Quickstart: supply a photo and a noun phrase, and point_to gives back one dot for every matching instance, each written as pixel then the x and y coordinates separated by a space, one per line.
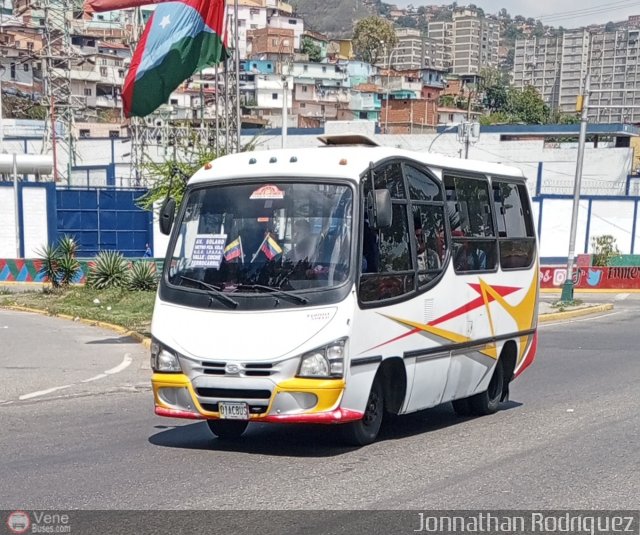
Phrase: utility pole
pixel 467 128
pixel 583 103
pixel 285 105
pixel 236 46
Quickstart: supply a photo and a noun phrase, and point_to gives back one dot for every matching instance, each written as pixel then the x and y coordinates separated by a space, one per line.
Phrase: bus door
pixel 475 263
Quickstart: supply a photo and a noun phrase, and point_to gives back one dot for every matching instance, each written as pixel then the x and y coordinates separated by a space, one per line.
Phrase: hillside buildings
pixel 557 67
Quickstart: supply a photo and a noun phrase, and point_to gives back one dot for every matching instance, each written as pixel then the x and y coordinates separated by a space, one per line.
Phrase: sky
pixel 568 13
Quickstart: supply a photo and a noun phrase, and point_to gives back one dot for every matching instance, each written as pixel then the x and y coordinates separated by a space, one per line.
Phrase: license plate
pixel 233 411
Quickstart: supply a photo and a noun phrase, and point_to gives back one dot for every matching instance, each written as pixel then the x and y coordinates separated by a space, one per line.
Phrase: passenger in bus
pixel 470 257
pixel 370 251
pixel 427 256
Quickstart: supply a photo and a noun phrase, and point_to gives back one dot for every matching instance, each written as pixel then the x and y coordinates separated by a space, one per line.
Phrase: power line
pixel 584 13
pixel 621 3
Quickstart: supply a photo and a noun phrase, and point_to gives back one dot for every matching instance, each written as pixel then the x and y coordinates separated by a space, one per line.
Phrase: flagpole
pixel 237 54
pixel 260 247
pixel 226 99
pixel 241 250
pixel 217 113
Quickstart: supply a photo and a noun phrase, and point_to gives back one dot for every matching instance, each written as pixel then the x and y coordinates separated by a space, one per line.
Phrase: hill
pixel 334 18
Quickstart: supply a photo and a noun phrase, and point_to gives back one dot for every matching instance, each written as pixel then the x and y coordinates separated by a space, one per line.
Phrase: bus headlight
pixel 324 362
pixel 164 359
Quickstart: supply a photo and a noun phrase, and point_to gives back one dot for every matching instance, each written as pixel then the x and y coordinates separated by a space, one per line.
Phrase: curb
pixel 556 316
pixel 140 338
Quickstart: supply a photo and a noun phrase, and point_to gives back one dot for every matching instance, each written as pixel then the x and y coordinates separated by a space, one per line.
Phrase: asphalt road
pixel 567 439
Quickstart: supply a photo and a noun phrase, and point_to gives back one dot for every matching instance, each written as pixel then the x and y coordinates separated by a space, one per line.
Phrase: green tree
pixel 557 117
pixel 407 22
pixel 169 177
pixel 610 27
pixel 312 50
pixel 526 105
pixel 539 30
pixel 494 87
pixel 372 36
pixel 498 117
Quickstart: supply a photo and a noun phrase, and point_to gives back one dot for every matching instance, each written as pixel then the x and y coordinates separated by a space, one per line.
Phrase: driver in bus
pixel 303 242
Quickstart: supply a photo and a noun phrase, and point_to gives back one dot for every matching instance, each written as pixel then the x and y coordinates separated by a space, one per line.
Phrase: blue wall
pixel 104 219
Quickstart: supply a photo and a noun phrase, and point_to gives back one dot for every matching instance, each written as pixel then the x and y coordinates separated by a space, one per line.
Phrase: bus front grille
pixel 233 393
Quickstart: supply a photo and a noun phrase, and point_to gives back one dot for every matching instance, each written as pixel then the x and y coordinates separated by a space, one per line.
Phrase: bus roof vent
pixel 334 140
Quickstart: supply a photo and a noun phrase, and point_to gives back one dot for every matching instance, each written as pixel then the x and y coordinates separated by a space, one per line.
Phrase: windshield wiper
pixel 214 291
pixel 274 291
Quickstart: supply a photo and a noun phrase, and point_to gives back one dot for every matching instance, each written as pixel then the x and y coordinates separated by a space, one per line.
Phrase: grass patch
pixel 122 307
pixel 561 306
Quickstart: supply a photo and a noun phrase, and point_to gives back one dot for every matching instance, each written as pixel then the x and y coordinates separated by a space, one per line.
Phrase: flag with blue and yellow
pixel 270 247
pixel 234 250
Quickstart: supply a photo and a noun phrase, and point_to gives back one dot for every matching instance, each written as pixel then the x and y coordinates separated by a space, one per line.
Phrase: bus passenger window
pixel 431 242
pixel 474 245
pixel 387 266
pixel 515 225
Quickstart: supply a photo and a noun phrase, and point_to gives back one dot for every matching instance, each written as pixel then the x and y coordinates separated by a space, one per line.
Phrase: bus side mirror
pixel 380 209
pixel 167 213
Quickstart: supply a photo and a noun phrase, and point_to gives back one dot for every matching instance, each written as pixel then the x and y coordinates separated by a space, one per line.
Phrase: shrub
pixel 59 263
pixel 49 269
pixel 109 271
pixel 605 249
pixel 67 246
pixel 68 268
pixel 143 277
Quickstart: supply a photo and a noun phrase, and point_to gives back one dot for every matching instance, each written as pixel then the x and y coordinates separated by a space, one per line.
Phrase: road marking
pixel 43 392
pixel 96 378
pixel 621 297
pixel 577 321
pixel 126 362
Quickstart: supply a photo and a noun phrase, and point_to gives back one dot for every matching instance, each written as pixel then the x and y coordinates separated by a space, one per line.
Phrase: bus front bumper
pixel 292 401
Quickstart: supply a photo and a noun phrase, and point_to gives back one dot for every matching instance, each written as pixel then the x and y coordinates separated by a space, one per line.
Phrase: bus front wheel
pixel 227 429
pixel 365 431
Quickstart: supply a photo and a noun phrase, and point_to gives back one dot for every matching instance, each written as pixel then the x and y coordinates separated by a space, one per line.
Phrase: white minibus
pixel 337 284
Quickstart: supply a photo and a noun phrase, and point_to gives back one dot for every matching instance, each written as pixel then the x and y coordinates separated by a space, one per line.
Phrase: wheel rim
pixel 373 408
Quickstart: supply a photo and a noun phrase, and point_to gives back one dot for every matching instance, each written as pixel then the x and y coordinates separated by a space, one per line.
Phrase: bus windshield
pixel 264 236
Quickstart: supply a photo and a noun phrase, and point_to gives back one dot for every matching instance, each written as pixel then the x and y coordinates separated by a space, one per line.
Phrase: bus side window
pixel 386 260
pixel 428 215
pixel 515 225
pixel 474 244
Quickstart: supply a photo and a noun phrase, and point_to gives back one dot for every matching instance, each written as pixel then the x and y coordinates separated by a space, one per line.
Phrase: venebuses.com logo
pixel 38 522
pixel 18 522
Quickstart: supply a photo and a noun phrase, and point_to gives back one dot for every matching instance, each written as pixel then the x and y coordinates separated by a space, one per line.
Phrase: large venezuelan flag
pixel 179 39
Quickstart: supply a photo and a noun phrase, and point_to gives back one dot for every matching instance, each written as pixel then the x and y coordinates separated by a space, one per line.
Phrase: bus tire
pixel 365 431
pixel 487 402
pixel 227 429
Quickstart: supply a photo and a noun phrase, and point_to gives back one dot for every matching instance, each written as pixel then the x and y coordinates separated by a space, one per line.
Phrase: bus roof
pixel 332 162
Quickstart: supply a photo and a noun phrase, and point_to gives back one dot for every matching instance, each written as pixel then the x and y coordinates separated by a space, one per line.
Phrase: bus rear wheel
pixel 486 402
pixel 227 429
pixel 365 431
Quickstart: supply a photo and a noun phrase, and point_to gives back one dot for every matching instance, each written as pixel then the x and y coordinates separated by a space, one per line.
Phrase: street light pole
pixel 2 71
pixel 386 114
pixel 567 289
pixel 16 203
pixel 285 104
pixel 285 88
